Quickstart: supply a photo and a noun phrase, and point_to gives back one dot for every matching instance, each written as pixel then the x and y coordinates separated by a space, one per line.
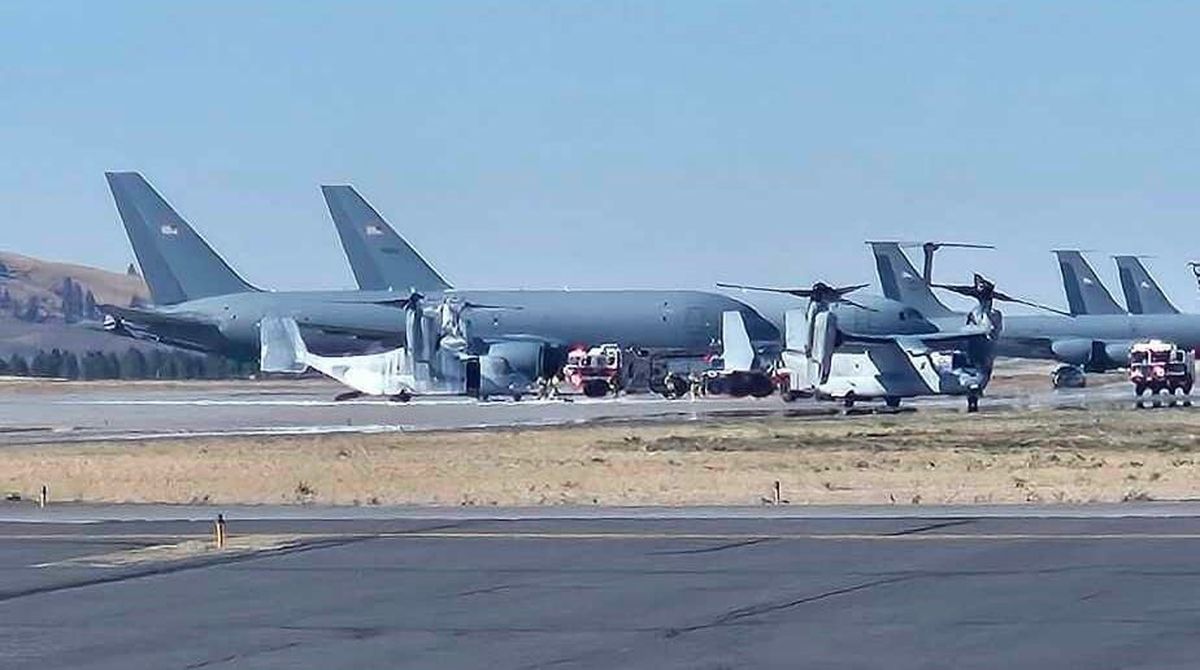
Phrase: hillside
pixel 23 278
pixel 50 325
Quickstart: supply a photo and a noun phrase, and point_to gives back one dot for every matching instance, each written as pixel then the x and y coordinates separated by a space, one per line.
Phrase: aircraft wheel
pixel 403 396
pixel 892 401
pixel 1068 376
pixel 972 403
pixel 848 401
pixel 789 395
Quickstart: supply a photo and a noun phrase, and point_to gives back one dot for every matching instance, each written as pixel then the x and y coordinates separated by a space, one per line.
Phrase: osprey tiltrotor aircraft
pixel 828 360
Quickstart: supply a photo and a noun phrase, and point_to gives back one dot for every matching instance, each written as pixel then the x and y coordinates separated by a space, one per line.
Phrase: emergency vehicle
pixel 1157 366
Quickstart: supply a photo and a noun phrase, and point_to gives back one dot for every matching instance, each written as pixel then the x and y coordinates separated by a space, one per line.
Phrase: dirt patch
pixel 1048 456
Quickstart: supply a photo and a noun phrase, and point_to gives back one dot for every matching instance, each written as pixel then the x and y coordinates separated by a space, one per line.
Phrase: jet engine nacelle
pixel 1092 355
pixel 510 368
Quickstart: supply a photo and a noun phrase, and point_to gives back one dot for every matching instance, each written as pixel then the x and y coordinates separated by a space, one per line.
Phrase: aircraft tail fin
pixel 1086 294
pixel 900 281
pixel 1143 295
pixel 282 347
pixel 177 263
pixel 736 350
pixel 380 258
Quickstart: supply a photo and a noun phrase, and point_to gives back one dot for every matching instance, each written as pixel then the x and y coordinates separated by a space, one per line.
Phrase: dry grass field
pixel 927 458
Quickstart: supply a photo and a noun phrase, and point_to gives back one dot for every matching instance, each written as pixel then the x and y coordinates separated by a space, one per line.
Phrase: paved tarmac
pixel 55 413
pixel 997 588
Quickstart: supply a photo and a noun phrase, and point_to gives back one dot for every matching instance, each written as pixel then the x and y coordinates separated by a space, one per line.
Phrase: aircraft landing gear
pixel 892 401
pixel 972 403
pixel 403 396
pixel 1068 377
pixel 848 401
pixel 348 395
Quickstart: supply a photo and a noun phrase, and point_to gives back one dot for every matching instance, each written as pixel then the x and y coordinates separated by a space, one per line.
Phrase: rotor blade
pixel 968 291
pixel 843 290
pixel 476 305
pixel 964 245
pixel 940 245
pixel 861 306
pixel 1008 298
pixel 800 292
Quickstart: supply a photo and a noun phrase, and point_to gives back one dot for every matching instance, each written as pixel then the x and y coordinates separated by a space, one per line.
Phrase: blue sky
pixel 607 144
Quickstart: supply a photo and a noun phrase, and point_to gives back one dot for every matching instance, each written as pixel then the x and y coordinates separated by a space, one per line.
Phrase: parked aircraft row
pixel 436 338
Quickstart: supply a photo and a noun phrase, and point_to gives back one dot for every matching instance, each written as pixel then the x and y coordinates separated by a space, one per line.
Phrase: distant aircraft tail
pixel 1142 294
pixel 380 258
pixel 177 263
pixel 1086 294
pixel 901 281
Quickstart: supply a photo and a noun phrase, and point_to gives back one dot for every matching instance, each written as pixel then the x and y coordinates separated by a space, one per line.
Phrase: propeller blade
pixel 961 289
pixel 1029 303
pixel 859 305
pixel 843 290
pixel 477 305
pixel 799 292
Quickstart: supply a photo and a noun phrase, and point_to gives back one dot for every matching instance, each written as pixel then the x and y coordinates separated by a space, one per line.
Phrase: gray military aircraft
pixel 1143 295
pixel 202 304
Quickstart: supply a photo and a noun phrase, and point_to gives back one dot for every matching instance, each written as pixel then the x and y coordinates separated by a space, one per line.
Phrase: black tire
pixel 848 401
pixel 761 386
pixel 595 388
pixel 972 403
pixel 892 401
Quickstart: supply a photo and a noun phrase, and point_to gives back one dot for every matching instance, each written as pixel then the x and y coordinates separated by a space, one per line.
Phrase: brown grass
pixel 945 458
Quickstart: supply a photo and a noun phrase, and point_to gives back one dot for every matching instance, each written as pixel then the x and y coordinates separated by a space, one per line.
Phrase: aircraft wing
pixel 941 341
pixel 360 332
pixel 190 331
pixel 151 317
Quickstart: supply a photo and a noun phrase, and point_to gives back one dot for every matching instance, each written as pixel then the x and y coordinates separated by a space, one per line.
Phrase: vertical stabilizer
pixel 1086 294
pixel 900 281
pixel 381 259
pixel 1143 295
pixel 736 350
pixel 177 263
pixel 282 347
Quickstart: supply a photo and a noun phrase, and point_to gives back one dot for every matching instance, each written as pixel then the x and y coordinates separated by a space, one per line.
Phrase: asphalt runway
pixel 1006 587
pixel 66 412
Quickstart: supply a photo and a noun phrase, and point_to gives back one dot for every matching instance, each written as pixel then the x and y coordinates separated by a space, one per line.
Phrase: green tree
pixel 18 366
pixel 133 364
pixel 69 369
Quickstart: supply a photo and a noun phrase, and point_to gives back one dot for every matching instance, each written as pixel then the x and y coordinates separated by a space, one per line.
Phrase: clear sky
pixel 608 144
